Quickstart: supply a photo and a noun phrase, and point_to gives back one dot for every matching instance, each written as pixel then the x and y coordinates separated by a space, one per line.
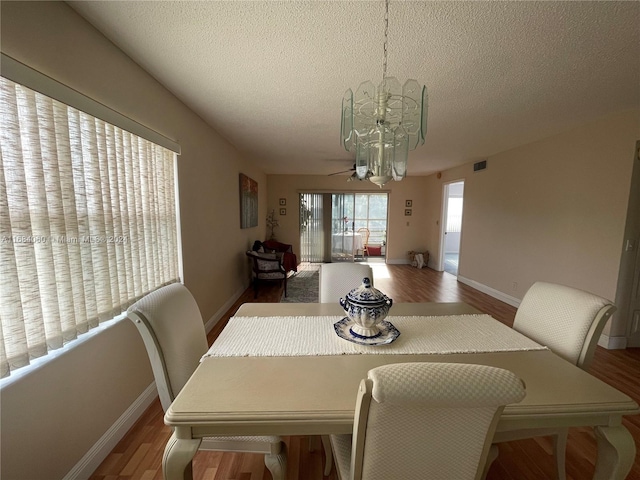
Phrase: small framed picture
pixel 283 202
pixel 408 204
pixel 283 211
pixel 407 212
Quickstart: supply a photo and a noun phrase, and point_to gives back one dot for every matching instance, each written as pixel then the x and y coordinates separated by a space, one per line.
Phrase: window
pixel 88 222
pixel 351 212
pixel 371 213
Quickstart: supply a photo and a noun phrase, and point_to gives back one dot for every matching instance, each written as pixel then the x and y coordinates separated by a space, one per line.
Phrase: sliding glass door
pixel 371 213
pixel 336 227
pixel 342 225
pixel 358 220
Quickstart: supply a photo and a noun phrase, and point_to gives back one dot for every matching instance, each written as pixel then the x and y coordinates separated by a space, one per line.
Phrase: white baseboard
pixel 103 447
pixel 398 261
pixel 223 309
pixel 99 451
pixel 503 297
pixel 633 342
pixel 612 343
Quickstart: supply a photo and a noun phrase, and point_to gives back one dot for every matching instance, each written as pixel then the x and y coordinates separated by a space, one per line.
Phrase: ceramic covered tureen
pixel 366 307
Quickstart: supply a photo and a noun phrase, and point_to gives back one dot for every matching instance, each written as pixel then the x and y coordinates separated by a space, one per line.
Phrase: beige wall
pixel 552 210
pixel 404 233
pixel 41 414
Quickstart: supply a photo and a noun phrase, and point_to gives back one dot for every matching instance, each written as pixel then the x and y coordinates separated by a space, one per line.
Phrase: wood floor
pixel 139 453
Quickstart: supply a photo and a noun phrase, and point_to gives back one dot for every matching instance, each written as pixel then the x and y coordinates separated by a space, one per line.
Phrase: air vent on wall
pixel 479 165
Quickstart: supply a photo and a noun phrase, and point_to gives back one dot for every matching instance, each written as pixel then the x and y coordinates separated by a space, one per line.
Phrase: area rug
pixel 303 286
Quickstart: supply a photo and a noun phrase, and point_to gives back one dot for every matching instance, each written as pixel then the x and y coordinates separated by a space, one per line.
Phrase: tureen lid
pixel 365 294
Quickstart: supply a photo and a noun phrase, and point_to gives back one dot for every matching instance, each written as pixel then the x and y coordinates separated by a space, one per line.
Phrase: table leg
pixel 176 462
pixel 616 453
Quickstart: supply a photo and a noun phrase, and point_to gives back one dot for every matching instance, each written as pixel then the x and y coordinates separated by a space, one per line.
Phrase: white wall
pixel 53 416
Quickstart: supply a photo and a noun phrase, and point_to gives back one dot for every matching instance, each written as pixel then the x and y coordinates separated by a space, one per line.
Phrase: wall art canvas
pixel 248 202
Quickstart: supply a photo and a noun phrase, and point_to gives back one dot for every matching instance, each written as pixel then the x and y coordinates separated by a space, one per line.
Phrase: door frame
pixel 443 220
pixel 628 287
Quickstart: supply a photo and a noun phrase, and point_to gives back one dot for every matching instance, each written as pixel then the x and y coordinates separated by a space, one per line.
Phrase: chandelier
pixel 382 124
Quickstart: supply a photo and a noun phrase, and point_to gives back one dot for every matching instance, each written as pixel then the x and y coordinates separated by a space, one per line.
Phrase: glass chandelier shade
pixel 381 125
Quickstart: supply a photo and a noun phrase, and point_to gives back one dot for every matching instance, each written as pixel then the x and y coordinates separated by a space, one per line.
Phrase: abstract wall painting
pixel 248 202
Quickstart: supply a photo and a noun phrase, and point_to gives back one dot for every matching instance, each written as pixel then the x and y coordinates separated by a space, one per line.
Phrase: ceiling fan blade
pixel 338 173
pixel 352 169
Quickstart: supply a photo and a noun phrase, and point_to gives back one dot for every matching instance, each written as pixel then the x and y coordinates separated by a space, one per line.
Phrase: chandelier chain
pixel 386 35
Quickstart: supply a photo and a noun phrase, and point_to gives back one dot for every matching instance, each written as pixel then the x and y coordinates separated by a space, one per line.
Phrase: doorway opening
pixel 453 200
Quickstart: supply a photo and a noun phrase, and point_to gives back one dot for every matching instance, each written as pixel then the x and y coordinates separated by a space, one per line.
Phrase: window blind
pixel 311 228
pixel 87 222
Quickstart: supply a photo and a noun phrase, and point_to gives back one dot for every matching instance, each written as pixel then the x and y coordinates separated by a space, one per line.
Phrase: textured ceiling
pixel 269 76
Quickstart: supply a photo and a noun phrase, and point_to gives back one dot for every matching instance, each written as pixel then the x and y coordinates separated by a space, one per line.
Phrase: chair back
pixel 365 234
pixel 338 279
pixel 429 420
pixel 267 265
pixel 171 327
pixel 567 320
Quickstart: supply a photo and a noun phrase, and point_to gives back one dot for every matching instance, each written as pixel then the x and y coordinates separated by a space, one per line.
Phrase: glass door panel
pixel 342 224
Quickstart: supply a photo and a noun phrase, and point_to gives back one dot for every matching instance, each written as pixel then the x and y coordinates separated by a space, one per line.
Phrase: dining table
pixel 346 243
pixel 281 369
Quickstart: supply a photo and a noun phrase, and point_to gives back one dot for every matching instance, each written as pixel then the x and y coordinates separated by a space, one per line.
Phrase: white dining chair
pixel 425 420
pixel 338 279
pixel 569 322
pixel 335 281
pixel 171 327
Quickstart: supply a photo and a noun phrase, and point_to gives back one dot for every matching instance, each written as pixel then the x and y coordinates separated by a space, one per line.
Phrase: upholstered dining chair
pixel 338 279
pixel 364 232
pixel 425 420
pixel 172 330
pixel 569 322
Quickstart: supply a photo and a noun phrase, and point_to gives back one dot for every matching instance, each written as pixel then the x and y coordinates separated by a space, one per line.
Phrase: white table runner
pixel 300 336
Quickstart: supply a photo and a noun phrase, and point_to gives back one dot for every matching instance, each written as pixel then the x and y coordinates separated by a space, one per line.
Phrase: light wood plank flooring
pixel 139 453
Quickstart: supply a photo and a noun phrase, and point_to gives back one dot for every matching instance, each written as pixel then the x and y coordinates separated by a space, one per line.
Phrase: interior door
pixel 634 306
pixel 628 290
